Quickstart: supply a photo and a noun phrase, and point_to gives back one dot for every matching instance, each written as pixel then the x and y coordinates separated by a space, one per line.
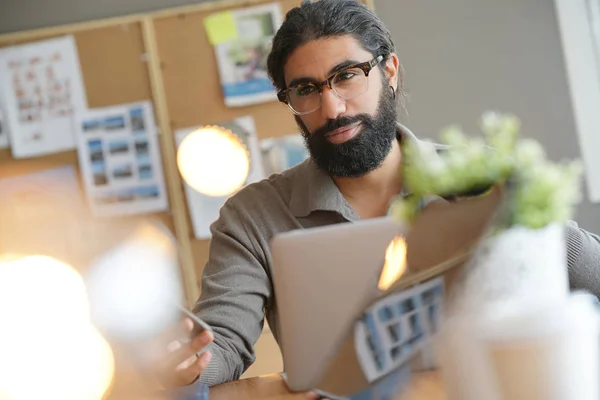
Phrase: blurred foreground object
pixel 544 192
pixel 549 353
pixel 516 275
pixel 134 288
pixel 213 161
pixel 49 348
pixel 136 293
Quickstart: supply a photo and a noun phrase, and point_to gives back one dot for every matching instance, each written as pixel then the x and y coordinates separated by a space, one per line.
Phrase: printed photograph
pixel 386 313
pixel 99 173
pixel 145 172
pixel 137 119
pixel 141 147
pixel 242 62
pixel 91 125
pixel 123 171
pixel 114 123
pixel 95 148
pixel 249 55
pixel 143 159
pixel 118 147
pixel 249 59
pixel 146 192
pixel 415 326
pixel 395 332
pixel 407 305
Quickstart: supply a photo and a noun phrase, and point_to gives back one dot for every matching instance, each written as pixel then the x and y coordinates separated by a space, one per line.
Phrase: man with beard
pixel 335 67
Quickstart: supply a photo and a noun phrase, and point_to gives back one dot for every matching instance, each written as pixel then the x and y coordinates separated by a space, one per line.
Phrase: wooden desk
pixel 423 386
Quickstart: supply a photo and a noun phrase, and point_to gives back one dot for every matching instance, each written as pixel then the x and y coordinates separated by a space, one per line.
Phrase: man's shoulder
pixel 268 194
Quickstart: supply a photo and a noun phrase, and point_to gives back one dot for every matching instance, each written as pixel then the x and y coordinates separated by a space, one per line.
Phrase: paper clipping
pixel 204 210
pixel 120 160
pixel 242 40
pixel 42 89
pixel 281 153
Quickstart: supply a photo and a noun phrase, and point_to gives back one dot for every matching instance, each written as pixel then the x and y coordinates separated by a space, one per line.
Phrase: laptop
pixel 325 277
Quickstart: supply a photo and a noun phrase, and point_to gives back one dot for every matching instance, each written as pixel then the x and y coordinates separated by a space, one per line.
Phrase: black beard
pixel 361 154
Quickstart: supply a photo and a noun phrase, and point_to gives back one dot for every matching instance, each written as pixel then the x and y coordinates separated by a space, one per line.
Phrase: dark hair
pixel 323 19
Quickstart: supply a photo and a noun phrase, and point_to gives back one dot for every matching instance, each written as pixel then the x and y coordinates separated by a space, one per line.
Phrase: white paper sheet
pixel 43 88
pixel 242 61
pixel 204 210
pixel 120 160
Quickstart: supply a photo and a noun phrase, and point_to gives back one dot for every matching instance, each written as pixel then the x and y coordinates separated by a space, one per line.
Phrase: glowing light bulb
pixel 213 161
pixel 395 263
pixel 46 327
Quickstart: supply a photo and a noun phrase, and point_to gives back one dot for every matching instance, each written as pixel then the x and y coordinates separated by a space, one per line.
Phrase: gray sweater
pixel 237 290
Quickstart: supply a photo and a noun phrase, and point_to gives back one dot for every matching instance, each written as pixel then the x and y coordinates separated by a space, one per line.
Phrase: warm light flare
pixel 395 263
pixel 46 327
pixel 213 161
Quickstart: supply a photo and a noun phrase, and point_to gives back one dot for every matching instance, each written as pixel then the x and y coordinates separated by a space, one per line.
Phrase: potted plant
pixel 520 265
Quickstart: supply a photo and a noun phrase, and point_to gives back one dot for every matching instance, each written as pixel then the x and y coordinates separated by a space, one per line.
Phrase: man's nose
pixel 331 105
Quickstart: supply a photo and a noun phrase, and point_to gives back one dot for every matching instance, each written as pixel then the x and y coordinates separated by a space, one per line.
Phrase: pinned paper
pixel 120 160
pixel 221 27
pixel 243 39
pixel 42 88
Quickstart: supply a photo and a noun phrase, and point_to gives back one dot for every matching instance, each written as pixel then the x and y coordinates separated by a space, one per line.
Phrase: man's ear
pixel 392 71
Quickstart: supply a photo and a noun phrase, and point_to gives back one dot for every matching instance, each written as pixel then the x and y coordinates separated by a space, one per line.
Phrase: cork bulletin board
pixel 164 57
pixel 114 72
pixel 106 55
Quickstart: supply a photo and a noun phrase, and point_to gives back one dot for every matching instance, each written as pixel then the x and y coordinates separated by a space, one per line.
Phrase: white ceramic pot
pixel 512 273
pixel 514 270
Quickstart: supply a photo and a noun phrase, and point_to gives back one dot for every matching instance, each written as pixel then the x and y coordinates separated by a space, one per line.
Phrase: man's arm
pixel 235 291
pixel 583 256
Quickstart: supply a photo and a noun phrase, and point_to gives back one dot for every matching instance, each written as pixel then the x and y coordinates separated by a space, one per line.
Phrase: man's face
pixel 346 138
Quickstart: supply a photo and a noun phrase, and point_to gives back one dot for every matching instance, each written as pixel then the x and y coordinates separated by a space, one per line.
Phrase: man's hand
pixel 315 396
pixel 182 366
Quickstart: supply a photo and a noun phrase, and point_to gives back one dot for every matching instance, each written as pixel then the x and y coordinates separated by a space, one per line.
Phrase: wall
pixel 463 57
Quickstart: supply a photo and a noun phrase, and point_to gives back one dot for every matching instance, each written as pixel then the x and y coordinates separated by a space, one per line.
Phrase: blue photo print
pixel 397 327
pixel 136 118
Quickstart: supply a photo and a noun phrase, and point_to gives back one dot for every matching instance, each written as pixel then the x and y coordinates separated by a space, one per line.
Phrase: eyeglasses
pixel 346 84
